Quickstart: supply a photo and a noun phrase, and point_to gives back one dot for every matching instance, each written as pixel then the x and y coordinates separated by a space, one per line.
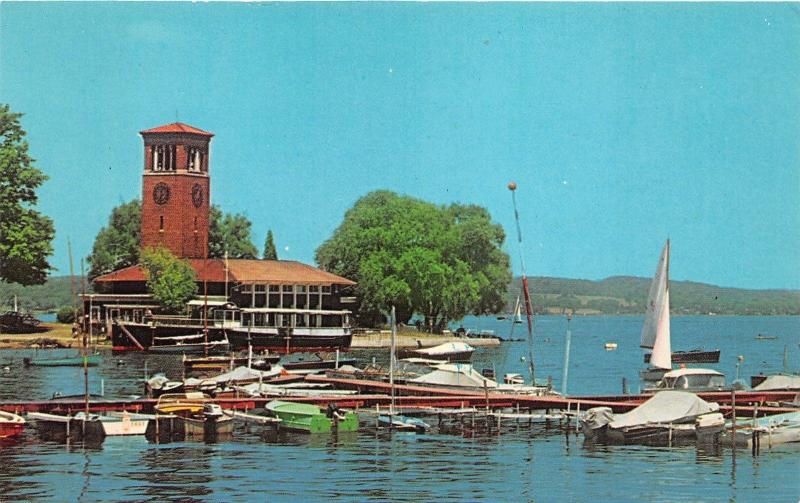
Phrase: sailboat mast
pixel 205 306
pixel 72 283
pixel 86 352
pixel 525 291
pixel 392 351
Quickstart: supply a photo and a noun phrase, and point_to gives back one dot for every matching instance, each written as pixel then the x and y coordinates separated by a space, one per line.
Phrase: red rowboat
pixel 10 424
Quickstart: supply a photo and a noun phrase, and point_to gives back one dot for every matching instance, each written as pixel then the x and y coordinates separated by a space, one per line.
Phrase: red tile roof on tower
pixel 243 271
pixel 176 127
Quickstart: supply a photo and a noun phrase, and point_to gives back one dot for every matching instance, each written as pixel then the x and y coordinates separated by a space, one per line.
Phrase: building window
pixel 313 288
pixel 261 288
pixel 274 288
pixel 161 223
pixel 288 288
pixel 326 289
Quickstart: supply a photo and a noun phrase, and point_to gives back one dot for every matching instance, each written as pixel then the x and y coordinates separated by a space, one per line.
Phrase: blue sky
pixel 623 124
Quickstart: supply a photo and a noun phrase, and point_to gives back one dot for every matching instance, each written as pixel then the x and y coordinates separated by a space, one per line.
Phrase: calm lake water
pixel 533 463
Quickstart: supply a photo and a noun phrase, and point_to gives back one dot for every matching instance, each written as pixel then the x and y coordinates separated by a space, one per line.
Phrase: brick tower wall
pixel 175 222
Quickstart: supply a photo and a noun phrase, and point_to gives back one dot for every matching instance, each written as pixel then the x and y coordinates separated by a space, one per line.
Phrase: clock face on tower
pixel 161 193
pixel 197 195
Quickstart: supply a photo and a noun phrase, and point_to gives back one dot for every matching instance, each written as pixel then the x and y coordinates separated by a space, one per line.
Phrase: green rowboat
pixel 70 361
pixel 309 418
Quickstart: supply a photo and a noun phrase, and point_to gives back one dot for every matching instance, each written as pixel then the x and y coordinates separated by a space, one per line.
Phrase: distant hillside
pixel 627 295
pixel 615 295
pixel 53 294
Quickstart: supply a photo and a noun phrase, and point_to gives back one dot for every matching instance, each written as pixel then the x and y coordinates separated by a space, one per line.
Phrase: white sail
pixel 518 310
pixel 655 333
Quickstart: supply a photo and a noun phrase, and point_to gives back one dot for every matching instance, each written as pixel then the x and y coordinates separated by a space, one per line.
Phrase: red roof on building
pixel 243 271
pixel 176 127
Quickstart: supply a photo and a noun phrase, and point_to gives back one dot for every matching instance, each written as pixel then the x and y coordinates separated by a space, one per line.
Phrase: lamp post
pixel 739 360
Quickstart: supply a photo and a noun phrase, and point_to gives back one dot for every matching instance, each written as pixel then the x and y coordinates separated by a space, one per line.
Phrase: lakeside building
pixel 273 304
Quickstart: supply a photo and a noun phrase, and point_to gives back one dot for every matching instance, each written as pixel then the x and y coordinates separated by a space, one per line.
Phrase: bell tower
pixel 175 189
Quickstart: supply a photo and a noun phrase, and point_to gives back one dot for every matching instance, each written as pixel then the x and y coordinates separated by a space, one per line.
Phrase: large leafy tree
pixel 439 262
pixel 170 280
pixel 230 233
pixel 118 244
pixel 270 252
pixel 25 234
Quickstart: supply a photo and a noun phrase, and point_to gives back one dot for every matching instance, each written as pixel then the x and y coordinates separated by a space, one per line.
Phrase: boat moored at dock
pixel 309 418
pixel 669 418
pixel 11 424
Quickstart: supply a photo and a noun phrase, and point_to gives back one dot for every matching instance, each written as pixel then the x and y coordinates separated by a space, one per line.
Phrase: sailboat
pixel 656 336
pixel 392 420
pixel 518 311
pixel 655 332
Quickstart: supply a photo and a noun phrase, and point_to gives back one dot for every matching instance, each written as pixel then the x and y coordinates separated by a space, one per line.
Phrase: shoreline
pixel 60 333
pixel 382 339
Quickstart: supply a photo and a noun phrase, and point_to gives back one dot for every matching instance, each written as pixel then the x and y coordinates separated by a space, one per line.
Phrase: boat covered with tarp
pixel 668 418
pixel 448 351
pixel 779 382
pixel 454 375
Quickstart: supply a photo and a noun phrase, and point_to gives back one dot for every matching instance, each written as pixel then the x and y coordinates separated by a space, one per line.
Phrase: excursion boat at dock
pixel 291 330
pixel 281 330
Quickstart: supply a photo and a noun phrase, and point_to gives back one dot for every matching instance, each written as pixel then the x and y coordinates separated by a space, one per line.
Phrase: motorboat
pixel 92 360
pixel 463 376
pixel 309 418
pixel 403 423
pixel 211 363
pixel 779 382
pixel 692 379
pixel 11 424
pixel 669 418
pixel 65 426
pixel 764 431
pixel 124 423
pixel 448 351
pixel 197 416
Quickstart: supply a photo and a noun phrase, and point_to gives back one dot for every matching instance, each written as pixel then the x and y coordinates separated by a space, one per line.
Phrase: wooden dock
pixel 377 393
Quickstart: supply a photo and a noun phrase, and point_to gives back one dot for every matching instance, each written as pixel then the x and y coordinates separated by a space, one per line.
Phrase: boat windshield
pixel 694 381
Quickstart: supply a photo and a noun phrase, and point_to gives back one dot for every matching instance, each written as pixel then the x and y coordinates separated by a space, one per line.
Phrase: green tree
pixel 230 233
pixel 440 262
pixel 170 280
pixel 270 253
pixel 117 245
pixel 25 235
